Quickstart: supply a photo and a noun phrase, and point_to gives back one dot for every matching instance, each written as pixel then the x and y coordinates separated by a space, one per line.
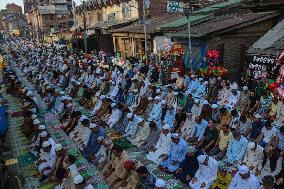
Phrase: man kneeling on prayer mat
pixel 80 183
pixel 131 182
pixel 176 155
pixel 46 161
pixel 60 155
pixel 116 171
pixel 244 179
pixel 206 173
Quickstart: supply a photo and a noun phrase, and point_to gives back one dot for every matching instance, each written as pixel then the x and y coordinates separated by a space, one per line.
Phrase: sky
pixel 20 2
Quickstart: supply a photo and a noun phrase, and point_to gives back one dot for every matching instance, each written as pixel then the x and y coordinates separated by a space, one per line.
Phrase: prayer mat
pixel 123 143
pixel 49 185
pixel 26 159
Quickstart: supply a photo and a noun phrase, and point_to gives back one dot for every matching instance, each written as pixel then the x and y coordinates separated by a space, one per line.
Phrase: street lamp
pixel 187 11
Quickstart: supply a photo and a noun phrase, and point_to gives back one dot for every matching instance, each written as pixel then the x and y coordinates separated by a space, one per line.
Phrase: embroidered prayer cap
pixel 214 106
pixel 78 179
pixel 160 183
pixel 58 147
pixel 243 169
pixel 63 98
pixel 33 110
pixel 45 144
pixel 100 138
pixel 245 88
pixel 135 90
pixel 89 187
pixel 43 134
pixel 69 98
pixel 201 158
pixel 251 145
pixel 205 102
pixel 191 149
pixel 140 120
pixel 166 127
pixel 69 105
pixel 41 127
pixel 157 98
pixel 129 115
pixel 82 118
pixel 150 98
pixel 175 93
pixel 34 116
pixel 92 125
pixel 158 90
pixel 36 122
pixel 258 116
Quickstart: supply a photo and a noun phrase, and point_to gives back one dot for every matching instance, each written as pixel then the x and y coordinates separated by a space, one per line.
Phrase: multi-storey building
pixel 46 16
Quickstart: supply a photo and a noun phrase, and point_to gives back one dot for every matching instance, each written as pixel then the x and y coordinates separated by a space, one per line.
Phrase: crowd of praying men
pixel 207 132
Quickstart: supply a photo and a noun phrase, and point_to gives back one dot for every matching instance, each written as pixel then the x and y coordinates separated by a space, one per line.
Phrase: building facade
pixel 45 17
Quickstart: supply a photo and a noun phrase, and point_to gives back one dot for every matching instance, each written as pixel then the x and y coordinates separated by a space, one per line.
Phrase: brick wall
pixel 157 7
pixel 233 44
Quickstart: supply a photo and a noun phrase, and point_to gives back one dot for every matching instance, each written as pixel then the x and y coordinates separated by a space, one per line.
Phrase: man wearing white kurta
pixel 142 133
pixel 206 173
pixel 47 159
pixel 244 180
pixel 162 147
pixel 132 126
pixel 253 157
pixel 115 115
pixel 156 112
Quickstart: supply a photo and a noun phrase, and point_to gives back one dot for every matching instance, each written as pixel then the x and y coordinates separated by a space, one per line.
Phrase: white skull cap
pixel 58 147
pixel 41 127
pixel 36 122
pixel 160 183
pixel 43 134
pixel 45 144
pixel 78 179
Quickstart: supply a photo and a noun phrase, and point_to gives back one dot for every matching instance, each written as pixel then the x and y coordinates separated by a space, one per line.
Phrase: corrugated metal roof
pixel 183 21
pixel 271 43
pixel 220 24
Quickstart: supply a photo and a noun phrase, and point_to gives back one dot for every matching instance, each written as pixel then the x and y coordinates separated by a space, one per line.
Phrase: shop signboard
pixel 175 6
pixel 260 64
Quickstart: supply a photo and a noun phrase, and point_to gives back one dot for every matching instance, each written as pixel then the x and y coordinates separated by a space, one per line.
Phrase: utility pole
pixel 75 24
pixel 145 30
pixel 187 11
pixel 85 28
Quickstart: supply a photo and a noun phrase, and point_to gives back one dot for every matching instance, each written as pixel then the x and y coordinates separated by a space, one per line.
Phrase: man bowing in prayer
pixel 206 173
pixel 176 155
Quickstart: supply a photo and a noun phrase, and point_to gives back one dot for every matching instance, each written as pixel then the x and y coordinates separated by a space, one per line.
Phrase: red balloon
pixel 273 86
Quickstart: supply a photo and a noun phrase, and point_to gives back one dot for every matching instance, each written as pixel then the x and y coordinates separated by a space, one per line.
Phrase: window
pixel 126 10
pixel 111 16
pixel 100 16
